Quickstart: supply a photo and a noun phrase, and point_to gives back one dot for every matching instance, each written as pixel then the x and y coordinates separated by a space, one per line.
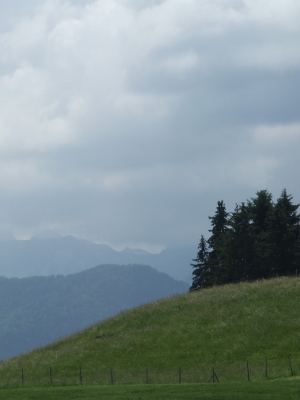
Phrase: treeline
pixel 259 239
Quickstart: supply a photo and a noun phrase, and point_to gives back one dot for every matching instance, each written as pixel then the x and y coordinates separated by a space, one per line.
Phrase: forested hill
pixel 67 255
pixel 38 310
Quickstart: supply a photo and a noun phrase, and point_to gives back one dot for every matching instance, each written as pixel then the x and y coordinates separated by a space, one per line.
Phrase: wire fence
pixel 252 370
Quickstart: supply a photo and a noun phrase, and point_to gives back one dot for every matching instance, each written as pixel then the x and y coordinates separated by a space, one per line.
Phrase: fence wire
pixel 60 375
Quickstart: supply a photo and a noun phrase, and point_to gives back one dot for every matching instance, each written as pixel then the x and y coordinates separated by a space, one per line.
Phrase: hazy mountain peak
pixel 135 251
pixel 47 234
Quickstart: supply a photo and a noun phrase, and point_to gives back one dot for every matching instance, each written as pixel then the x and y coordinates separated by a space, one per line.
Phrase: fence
pixel 221 372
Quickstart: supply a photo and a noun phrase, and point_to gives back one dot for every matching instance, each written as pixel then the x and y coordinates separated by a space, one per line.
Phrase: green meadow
pixel 264 390
pixel 152 348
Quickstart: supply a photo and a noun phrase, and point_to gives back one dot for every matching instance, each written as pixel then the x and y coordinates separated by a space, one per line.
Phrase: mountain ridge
pixel 66 255
pixel 37 310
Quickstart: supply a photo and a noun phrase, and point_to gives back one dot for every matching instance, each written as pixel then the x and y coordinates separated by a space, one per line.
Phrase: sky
pixel 125 121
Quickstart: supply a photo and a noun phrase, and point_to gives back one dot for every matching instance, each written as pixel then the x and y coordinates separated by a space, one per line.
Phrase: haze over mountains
pixel 49 254
pixel 50 287
pixel 39 310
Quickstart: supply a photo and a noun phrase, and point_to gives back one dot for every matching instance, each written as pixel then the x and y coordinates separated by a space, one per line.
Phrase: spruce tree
pixel 260 209
pixel 259 239
pixel 201 273
pixel 240 246
pixel 284 227
pixel 218 244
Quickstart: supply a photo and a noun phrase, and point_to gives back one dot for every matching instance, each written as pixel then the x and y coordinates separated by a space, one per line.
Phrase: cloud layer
pixel 124 121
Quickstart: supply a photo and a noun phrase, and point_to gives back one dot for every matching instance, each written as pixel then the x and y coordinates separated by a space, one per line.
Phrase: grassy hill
pixel 38 310
pixel 222 326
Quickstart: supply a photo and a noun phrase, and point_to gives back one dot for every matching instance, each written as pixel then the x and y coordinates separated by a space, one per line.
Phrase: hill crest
pixel 225 326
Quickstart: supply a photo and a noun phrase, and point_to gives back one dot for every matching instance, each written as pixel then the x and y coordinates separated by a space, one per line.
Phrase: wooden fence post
pixel 291 366
pixel 248 372
pixel 179 375
pixel 147 376
pixel 111 376
pixel 22 377
pixel 214 376
pixel 266 367
pixel 50 371
pixel 80 376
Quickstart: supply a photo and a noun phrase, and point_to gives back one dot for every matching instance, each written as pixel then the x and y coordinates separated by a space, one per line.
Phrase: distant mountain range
pixel 49 254
pixel 38 310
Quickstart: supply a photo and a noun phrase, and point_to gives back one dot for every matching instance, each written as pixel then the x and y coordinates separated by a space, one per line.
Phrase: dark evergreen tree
pixel 259 239
pixel 240 247
pixel 284 231
pixel 201 274
pixel 218 244
pixel 260 209
pixel 219 224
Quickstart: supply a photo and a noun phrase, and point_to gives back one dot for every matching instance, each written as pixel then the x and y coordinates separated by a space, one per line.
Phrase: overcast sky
pixel 125 121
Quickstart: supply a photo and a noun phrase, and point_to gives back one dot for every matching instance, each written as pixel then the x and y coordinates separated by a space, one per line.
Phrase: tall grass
pixel 223 327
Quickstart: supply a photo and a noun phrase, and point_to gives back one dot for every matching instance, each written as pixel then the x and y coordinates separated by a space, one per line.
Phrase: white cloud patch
pixel 28 120
pixel 140 114
pixel 278 135
pixel 182 63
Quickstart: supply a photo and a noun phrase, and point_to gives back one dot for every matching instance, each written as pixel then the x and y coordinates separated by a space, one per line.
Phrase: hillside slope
pixel 222 325
pixel 38 310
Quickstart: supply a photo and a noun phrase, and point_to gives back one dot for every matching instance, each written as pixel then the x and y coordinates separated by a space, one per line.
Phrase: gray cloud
pixel 125 121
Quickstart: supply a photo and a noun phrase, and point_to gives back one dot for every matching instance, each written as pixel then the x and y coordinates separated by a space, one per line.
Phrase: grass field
pixel 278 389
pixel 224 327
